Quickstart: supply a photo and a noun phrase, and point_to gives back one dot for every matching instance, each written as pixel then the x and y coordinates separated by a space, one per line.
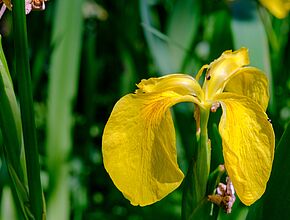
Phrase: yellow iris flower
pixel 279 8
pixel 139 149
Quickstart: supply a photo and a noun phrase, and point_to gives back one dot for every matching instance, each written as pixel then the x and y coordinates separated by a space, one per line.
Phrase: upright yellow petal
pixel 278 8
pixel 139 150
pixel 250 82
pixel 248 145
pixel 221 69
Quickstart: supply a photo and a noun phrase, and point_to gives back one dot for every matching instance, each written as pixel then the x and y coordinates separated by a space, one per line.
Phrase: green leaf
pixel 8 209
pixel 216 142
pixel 170 50
pixel 192 208
pixel 196 179
pixel 217 31
pixel 128 76
pixel 277 196
pixel 157 45
pixel 194 205
pixel 10 123
pixel 182 30
pixel 202 211
pixel 22 67
pixel 10 120
pixel 62 90
pixel 248 31
pixel 21 192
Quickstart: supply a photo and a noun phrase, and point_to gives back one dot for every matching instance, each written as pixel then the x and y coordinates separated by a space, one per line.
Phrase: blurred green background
pixel 86 54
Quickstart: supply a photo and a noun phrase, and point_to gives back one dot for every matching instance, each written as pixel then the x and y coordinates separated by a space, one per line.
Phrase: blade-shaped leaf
pixel 193 203
pixel 192 208
pixel 277 199
pixel 170 50
pixel 182 30
pixel 10 120
pixel 8 209
pixel 158 47
pixel 10 124
pixel 63 81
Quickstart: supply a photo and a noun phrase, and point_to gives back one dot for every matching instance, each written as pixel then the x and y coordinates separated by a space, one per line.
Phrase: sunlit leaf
pixel 182 30
pixel 170 49
pixel 63 81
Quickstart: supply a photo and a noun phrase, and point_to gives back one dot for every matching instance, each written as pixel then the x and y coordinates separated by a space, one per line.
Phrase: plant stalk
pixel 203 153
pixel 26 107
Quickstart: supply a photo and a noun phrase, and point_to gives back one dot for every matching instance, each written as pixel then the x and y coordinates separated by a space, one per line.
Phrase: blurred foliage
pixel 121 43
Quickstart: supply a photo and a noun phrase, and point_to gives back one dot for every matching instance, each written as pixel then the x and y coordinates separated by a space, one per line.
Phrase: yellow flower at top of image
pixel 279 8
pixel 138 144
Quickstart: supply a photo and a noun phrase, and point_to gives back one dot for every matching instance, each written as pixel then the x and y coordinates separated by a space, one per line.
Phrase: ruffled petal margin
pixel 181 84
pixel 248 145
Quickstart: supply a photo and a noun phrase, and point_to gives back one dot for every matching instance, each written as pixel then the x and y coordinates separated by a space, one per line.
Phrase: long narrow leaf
pixel 8 209
pixel 170 50
pixel 182 29
pixel 27 109
pixel 10 123
pixel 65 59
pixel 10 116
pixel 277 200
pixel 158 47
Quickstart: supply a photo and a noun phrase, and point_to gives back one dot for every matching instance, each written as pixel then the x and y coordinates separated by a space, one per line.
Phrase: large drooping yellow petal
pixel 278 8
pixel 248 145
pixel 250 82
pixel 139 149
pixel 221 69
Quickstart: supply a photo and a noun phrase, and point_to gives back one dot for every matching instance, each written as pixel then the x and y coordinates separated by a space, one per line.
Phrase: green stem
pixel 195 183
pixel 26 106
pixel 203 153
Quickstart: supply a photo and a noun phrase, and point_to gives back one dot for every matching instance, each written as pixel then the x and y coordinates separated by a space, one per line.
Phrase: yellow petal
pixel 139 150
pixel 221 69
pixel 278 8
pixel 250 82
pixel 248 145
pixel 179 83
